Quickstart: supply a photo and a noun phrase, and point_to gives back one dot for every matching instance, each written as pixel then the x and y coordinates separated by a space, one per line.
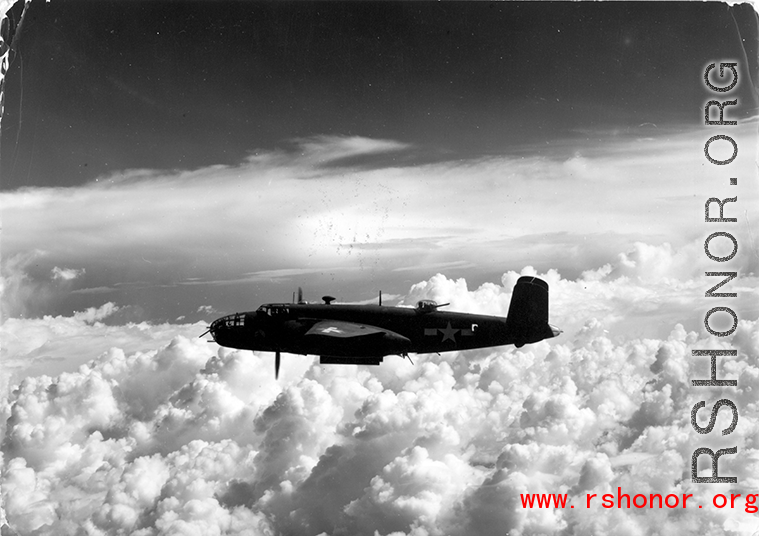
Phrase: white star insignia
pixel 449 333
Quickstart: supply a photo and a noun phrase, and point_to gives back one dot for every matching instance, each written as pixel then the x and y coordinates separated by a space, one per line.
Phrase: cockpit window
pixel 236 320
pixel 274 310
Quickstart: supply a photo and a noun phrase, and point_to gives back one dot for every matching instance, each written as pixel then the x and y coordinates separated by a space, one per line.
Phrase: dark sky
pixel 99 87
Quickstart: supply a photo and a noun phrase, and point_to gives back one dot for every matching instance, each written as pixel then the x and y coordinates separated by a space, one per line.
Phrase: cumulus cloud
pixel 54 344
pixel 157 432
pixel 96 314
pixel 19 291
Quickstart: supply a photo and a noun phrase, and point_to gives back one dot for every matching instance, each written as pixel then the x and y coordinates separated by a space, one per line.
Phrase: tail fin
pixel 528 312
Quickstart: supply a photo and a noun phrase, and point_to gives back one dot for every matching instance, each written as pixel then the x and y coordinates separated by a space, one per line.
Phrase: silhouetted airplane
pixel 365 334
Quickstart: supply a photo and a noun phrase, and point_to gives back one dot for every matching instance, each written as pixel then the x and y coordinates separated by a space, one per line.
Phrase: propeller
pixel 276 365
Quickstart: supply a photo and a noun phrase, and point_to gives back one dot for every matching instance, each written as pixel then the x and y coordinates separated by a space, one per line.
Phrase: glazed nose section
pixel 225 327
pixel 216 328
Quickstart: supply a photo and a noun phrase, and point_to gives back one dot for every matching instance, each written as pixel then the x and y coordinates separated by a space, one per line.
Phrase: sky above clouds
pixel 163 164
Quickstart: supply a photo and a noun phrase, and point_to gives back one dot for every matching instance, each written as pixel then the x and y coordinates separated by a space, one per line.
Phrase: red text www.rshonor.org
pixel 640 501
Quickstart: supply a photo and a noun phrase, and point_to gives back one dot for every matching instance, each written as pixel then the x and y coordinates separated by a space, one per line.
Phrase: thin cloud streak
pixel 266 275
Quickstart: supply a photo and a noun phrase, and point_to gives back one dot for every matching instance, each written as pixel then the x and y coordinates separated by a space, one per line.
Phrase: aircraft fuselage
pixel 366 333
pixel 419 332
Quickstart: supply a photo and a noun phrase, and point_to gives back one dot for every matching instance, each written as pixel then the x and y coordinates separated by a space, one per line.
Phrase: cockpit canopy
pixel 275 309
pixel 230 321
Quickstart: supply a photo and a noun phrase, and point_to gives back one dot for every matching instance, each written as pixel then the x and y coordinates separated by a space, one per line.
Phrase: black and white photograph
pixel 382 268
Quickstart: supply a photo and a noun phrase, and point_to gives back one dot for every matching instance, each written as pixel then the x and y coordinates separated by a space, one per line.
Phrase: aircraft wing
pixel 345 330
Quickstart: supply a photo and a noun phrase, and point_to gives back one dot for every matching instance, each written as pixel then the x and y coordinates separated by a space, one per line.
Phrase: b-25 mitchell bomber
pixel 365 334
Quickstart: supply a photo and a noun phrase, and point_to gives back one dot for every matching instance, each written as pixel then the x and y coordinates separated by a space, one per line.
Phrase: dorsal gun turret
pixel 428 306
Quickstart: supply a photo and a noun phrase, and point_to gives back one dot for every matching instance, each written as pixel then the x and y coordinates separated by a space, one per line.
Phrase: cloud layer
pixel 176 436
pixel 318 212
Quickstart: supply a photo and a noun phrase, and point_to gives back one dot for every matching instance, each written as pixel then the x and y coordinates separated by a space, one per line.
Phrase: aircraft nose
pixel 214 329
pixel 228 329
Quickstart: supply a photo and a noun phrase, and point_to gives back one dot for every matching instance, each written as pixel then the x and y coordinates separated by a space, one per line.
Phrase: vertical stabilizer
pixel 528 312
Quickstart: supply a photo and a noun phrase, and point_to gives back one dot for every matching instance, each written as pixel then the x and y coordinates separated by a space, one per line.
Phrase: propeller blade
pixel 300 295
pixel 276 365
